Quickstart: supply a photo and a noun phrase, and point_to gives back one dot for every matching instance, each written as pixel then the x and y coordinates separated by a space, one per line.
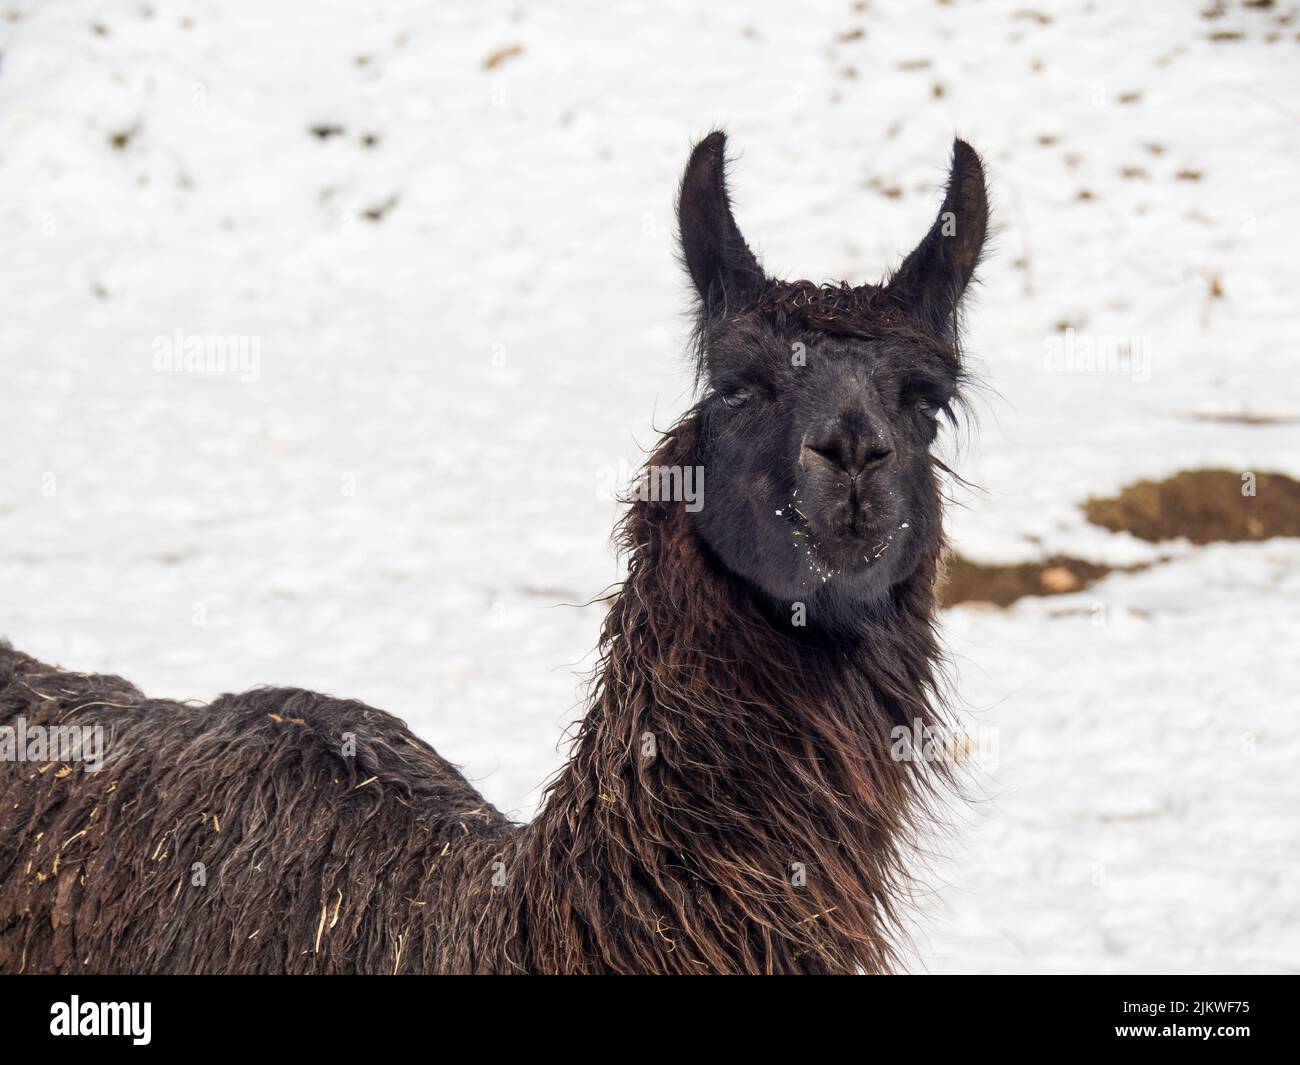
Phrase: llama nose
pixel 851 448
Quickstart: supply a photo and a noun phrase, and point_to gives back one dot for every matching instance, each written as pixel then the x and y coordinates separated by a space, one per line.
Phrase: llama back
pixel 278 830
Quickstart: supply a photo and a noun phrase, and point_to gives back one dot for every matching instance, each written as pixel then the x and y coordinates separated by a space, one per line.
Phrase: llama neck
pixel 731 804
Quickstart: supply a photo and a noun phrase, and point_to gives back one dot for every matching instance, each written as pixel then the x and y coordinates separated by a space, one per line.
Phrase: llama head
pixel 822 401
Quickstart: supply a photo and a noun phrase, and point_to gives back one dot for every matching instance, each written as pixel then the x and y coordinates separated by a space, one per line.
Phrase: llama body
pixel 730 804
pixel 250 808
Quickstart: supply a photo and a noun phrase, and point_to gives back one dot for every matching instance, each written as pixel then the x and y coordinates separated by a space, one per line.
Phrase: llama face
pixel 823 401
pixel 818 478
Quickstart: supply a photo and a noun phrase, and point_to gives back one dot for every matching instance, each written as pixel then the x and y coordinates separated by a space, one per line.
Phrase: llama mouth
pixel 857 549
pixel 848 548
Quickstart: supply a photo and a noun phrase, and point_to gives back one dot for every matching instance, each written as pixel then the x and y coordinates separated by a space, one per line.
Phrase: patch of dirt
pixel 122 138
pixel 377 212
pixel 1204 506
pixel 964 581
pixel 501 55
pixel 1245 419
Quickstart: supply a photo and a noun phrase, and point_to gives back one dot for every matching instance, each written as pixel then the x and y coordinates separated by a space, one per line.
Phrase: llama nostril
pixel 877 458
pixel 853 460
pixel 828 454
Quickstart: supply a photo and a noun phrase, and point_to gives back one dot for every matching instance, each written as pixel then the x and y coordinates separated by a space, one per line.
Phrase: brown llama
pixel 735 800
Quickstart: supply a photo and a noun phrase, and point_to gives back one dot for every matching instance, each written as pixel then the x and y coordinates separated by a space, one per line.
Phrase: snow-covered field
pixel 468 321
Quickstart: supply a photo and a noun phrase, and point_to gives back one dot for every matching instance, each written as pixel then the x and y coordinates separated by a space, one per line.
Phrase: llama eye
pixel 929 408
pixel 736 398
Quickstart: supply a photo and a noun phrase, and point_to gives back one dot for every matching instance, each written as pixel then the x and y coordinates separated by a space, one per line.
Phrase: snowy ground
pixel 419 478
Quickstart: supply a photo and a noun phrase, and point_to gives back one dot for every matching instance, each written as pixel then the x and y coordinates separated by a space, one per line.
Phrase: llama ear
pixel 716 255
pixel 930 283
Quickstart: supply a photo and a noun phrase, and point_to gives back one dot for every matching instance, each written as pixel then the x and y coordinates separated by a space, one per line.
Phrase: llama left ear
pixel 718 259
pixel 930 283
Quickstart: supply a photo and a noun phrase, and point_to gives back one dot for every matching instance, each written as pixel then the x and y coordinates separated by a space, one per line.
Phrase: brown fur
pixel 768 749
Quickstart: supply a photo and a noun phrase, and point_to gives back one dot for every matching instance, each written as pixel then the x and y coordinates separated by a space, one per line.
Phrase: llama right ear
pixel 719 261
pixel 930 283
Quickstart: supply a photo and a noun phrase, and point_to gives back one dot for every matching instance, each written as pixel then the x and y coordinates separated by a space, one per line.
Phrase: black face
pixel 823 403
pixel 817 459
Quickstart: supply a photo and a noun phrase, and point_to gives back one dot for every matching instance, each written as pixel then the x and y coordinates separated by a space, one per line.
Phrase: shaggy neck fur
pixel 731 805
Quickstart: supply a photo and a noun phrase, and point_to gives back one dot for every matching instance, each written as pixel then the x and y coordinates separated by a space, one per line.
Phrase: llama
pixel 732 802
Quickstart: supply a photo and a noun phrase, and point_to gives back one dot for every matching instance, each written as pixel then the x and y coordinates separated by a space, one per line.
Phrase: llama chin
pixel 763 741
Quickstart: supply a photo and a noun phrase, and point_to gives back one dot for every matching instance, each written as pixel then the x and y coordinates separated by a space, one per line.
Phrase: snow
pixel 408 500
